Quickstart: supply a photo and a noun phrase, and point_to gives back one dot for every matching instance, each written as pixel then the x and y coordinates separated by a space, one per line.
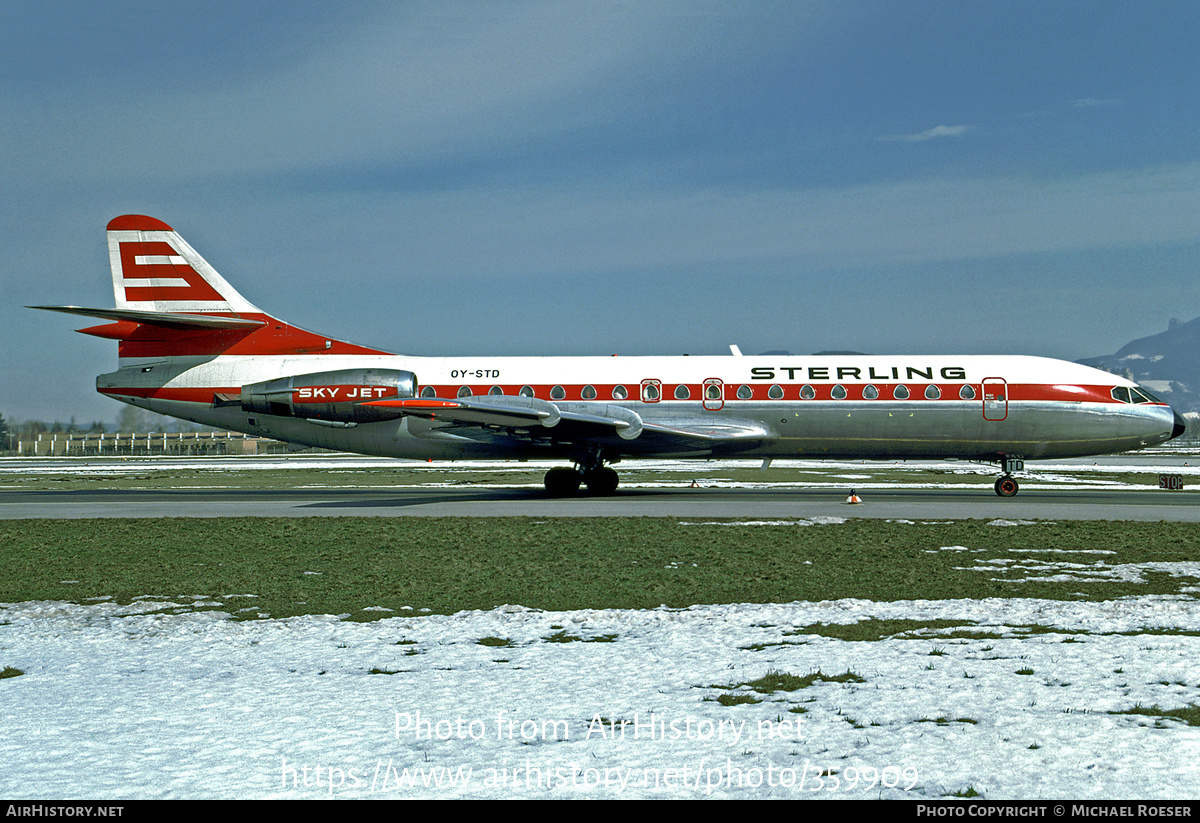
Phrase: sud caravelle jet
pixel 190 346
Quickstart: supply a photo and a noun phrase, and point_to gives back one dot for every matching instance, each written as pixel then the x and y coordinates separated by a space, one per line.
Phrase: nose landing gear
pixel 1006 484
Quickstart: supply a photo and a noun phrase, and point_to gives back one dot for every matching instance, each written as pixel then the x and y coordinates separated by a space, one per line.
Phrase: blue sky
pixel 609 177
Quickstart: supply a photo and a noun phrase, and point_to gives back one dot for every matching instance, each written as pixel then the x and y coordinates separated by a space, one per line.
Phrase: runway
pixel 892 503
pixel 1122 487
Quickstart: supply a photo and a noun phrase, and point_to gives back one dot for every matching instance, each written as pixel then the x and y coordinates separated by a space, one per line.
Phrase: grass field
pixel 366 568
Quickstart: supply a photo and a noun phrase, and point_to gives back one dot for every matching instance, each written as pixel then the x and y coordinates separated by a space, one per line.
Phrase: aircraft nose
pixel 1179 428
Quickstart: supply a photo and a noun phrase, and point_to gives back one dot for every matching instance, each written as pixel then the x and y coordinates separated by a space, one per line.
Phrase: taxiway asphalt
pixel 896 502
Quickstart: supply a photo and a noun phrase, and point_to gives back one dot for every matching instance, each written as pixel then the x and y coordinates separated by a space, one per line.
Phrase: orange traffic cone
pixel 853 498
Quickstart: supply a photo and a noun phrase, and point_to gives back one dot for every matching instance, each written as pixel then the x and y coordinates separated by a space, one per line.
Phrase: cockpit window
pixel 1140 395
pixel 1121 394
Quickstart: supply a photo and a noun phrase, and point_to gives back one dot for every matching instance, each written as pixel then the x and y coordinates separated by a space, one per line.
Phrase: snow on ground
pixel 119 702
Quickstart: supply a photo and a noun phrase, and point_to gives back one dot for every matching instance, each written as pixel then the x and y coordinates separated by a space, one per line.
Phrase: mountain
pixel 1167 364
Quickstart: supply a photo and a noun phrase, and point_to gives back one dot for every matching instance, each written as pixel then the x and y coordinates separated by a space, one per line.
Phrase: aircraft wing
pixel 503 416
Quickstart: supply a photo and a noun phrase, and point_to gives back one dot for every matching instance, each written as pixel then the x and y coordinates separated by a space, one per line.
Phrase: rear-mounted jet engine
pixel 336 396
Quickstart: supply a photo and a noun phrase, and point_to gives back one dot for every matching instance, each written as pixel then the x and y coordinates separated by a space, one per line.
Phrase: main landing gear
pixel 1006 484
pixel 599 479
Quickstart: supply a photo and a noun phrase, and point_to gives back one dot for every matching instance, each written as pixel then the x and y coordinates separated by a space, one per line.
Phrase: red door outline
pixel 713 403
pixel 651 390
pixel 995 398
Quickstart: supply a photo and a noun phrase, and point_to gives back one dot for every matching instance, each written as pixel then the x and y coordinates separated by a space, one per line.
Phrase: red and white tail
pixel 171 302
pixel 154 269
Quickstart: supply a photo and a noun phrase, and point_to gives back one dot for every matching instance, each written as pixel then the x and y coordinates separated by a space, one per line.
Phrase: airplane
pixel 192 347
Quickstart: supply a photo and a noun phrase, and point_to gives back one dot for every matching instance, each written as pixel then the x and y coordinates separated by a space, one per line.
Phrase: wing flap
pixel 502 410
pixel 606 424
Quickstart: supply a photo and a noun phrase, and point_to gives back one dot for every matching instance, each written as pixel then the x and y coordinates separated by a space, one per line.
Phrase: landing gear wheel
pixel 602 481
pixel 1006 486
pixel 562 481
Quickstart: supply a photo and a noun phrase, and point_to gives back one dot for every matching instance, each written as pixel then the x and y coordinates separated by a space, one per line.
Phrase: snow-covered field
pixel 1025 699
pixel 116 702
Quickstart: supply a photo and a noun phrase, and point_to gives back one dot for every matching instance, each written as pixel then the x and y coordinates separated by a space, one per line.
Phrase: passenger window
pixel 495 390
pixel 526 391
pixel 712 392
pixel 589 393
pixel 807 392
pixel 464 391
pixel 558 393
pixel 932 392
pixel 620 393
pixel 967 392
pixel 650 392
pixel 900 392
pixel 682 393
pixel 839 392
pixel 745 393
pixel 870 393
pixel 775 392
pixel 428 391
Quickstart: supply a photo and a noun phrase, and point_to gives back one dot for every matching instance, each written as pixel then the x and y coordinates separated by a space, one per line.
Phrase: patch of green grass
pixel 9 671
pixel 1189 714
pixel 334 565
pixel 967 792
pixel 735 699
pixel 777 681
pixel 498 642
pixel 563 637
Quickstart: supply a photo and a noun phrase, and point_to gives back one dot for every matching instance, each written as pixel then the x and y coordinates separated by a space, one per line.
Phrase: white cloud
pixel 1092 103
pixel 928 134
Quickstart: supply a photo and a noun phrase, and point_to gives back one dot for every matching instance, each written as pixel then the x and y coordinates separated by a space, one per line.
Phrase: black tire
pixel 602 481
pixel 562 481
pixel 1007 486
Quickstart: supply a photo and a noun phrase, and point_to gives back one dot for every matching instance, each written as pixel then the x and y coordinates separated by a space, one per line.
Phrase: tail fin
pixel 154 269
pixel 171 302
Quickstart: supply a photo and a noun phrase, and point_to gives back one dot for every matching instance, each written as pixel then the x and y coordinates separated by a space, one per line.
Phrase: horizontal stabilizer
pixel 169 320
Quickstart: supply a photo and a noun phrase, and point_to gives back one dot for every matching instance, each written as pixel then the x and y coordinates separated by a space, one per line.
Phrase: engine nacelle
pixel 332 395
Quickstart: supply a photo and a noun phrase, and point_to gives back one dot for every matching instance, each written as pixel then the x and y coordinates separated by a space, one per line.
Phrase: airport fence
pixel 81 444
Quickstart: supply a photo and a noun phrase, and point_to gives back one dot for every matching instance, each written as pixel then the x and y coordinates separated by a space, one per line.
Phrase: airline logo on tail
pixel 154 269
